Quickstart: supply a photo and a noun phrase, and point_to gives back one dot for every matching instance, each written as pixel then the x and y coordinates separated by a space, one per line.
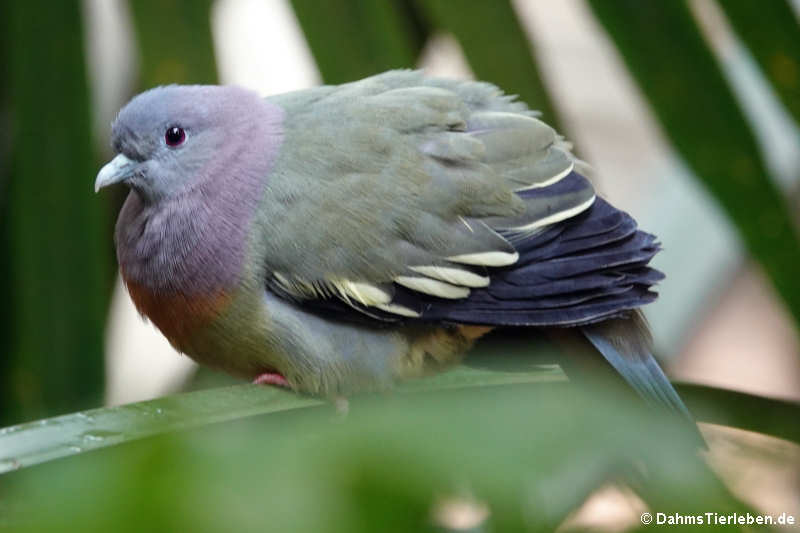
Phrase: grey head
pixel 172 139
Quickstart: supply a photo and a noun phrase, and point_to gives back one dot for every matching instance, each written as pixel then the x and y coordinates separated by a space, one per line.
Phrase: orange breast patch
pixel 177 315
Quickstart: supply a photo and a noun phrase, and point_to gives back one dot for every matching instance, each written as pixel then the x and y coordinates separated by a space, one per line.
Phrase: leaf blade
pixel 771 33
pixel 690 97
pixel 32 443
pixel 496 48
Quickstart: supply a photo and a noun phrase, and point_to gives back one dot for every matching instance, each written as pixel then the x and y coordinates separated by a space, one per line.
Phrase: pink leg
pixel 271 378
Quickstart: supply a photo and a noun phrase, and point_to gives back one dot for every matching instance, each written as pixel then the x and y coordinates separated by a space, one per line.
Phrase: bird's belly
pixel 246 335
pixel 329 357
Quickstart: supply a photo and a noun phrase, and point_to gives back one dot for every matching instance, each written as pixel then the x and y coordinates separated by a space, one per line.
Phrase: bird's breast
pixel 178 316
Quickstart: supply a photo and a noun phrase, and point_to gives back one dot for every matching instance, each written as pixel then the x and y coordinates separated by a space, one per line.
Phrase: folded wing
pixel 403 198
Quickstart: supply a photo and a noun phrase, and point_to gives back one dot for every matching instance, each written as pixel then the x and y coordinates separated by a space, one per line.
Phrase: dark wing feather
pixel 570 280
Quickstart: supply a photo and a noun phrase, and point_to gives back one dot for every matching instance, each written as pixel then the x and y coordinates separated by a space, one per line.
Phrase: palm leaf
pixel 369 37
pixel 54 229
pixel 690 97
pixel 44 440
pixel 771 33
pixel 532 453
pixel 496 48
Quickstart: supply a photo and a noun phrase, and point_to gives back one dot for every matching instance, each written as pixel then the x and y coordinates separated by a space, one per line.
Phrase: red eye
pixel 174 136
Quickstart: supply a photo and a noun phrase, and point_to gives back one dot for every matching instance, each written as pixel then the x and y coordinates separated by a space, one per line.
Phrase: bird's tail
pixel 625 343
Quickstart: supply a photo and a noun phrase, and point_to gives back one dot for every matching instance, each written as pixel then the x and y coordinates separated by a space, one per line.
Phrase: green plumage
pixel 377 175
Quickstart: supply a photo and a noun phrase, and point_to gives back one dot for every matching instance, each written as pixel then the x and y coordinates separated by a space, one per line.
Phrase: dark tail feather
pixel 641 372
pixel 625 343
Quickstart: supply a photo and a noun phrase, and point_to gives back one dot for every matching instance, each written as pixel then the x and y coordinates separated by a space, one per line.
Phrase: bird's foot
pixel 271 378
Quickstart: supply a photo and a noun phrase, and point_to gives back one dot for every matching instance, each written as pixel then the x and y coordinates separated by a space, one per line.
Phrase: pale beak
pixel 118 169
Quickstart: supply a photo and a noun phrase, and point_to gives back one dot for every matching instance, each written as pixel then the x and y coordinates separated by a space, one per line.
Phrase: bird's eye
pixel 175 136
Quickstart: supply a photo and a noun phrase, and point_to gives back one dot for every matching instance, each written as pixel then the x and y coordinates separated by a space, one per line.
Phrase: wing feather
pixel 402 197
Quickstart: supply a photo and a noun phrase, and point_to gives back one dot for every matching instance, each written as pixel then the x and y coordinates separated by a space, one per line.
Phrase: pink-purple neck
pixel 195 243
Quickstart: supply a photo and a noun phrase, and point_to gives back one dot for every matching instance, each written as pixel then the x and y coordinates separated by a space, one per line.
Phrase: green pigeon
pixel 338 239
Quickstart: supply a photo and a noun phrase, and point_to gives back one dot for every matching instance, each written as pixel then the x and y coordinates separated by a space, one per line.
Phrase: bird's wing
pixel 401 197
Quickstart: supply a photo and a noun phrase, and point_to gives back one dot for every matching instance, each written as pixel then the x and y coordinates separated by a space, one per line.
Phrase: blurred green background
pixel 57 265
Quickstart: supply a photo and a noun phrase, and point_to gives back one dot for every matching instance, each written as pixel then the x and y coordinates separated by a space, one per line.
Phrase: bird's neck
pixel 182 259
pixel 182 256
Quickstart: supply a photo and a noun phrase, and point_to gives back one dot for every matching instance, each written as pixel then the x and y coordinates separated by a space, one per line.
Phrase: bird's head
pixel 171 139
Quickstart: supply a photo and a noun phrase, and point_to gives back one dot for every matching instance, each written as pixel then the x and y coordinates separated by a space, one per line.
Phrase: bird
pixel 342 238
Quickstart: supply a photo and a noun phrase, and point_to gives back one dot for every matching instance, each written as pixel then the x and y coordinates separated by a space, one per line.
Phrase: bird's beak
pixel 118 169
